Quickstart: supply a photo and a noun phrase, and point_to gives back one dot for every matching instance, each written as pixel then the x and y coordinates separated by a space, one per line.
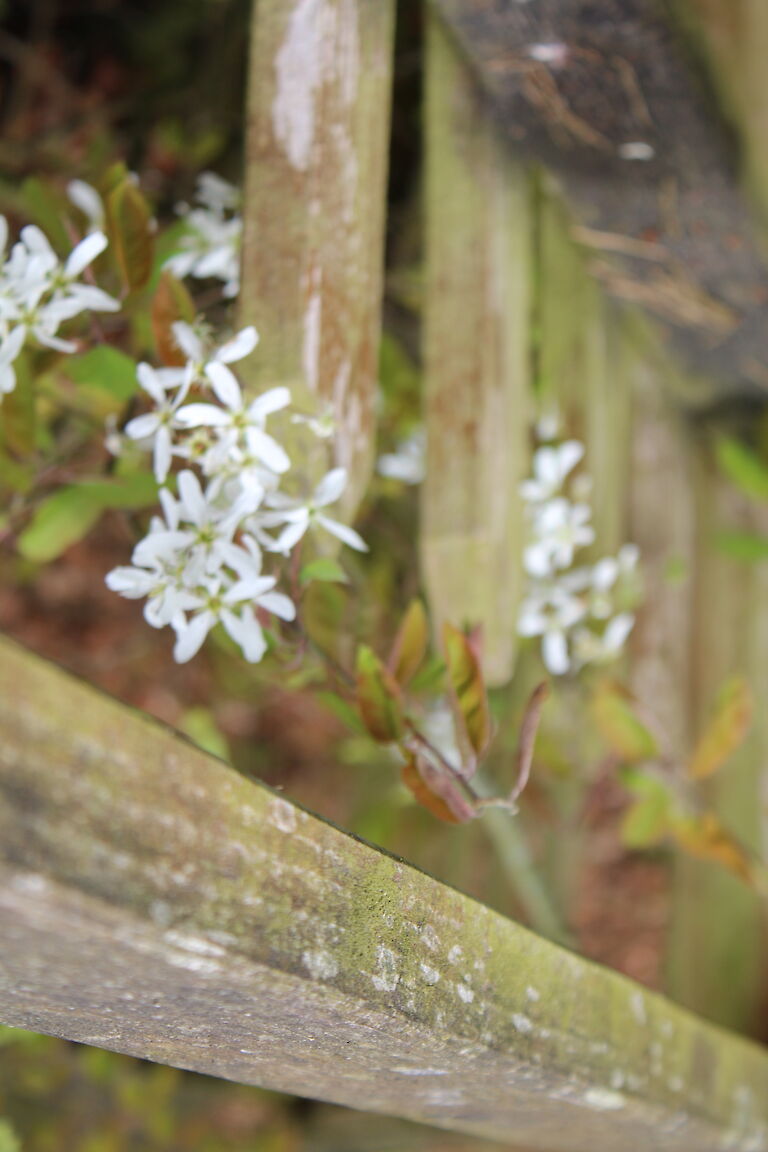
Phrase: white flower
pixel 246 420
pixel 211 244
pixel 551 466
pixel 407 463
pixel 157 427
pixel 591 648
pixel 190 343
pixel 560 528
pixel 298 516
pixel 87 199
pixel 232 606
pixel 550 612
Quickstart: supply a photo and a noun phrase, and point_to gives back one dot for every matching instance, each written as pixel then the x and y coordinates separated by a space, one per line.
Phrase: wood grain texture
pixel 314 208
pixel 477 348
pixel 156 903
pixel 601 92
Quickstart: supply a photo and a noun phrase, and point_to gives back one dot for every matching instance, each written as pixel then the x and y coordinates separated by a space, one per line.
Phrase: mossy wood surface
pixel 601 92
pixel 478 219
pixel 315 187
pixel 156 903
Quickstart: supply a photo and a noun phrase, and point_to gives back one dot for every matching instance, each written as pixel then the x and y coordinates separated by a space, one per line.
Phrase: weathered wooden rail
pixel 156 903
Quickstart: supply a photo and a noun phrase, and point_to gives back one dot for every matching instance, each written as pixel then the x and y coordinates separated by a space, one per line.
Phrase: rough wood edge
pixel 156 903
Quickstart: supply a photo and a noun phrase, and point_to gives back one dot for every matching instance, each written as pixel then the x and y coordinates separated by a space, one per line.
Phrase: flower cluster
pixel 202 560
pixel 210 246
pixel 572 608
pixel 39 293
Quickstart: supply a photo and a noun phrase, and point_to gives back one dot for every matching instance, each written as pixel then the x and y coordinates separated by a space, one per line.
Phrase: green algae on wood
pixel 477 340
pixel 315 187
pixel 156 903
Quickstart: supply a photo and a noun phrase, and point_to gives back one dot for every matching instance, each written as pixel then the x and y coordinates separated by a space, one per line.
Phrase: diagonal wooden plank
pixel 156 903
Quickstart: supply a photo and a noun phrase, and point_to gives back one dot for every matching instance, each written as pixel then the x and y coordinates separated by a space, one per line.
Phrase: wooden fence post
pixel 314 207
pixel 155 902
pixel 477 358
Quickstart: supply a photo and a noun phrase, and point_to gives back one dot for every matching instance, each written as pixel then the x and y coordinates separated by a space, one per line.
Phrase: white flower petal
pixel 343 532
pixel 187 341
pixel 191 635
pixel 246 631
pixel 330 487
pixel 142 427
pixel 225 385
pixel 269 402
pixel 238 347
pixel 278 605
pixel 84 254
pixel 554 651
pixel 202 415
pixel 193 505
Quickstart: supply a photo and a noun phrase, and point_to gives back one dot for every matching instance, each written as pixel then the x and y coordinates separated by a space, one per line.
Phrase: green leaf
pixel 743 467
pixel 378 697
pixel 743 545
pixel 66 516
pixel 107 370
pixel 170 304
pixel 18 411
pixel 45 207
pixel 342 710
pixel 726 730
pixel 648 820
pixel 9 1142
pixel 410 646
pixel 623 732
pixel 131 234
pixel 199 724
pixel 325 570
pixel 468 692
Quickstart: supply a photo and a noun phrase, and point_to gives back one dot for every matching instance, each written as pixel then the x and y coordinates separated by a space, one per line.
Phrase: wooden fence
pixel 155 903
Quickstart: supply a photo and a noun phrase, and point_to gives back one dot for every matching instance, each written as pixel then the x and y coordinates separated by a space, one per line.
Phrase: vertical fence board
pixel 716 961
pixel 734 37
pixel 477 341
pixel 314 212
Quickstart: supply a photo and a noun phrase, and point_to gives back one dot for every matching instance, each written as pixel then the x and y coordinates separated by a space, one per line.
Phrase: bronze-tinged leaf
pixel 467 689
pixel 436 791
pixel 378 697
pixel 726 730
pixel 704 837
pixel 170 304
pixel 621 729
pixel 131 234
pixel 527 738
pixel 410 646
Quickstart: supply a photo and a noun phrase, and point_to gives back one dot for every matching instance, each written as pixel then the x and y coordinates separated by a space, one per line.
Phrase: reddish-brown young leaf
pixel 378 697
pixel 410 646
pixel 527 738
pixel 171 303
pixel 131 234
pixel 726 730
pixel 436 791
pixel 468 694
